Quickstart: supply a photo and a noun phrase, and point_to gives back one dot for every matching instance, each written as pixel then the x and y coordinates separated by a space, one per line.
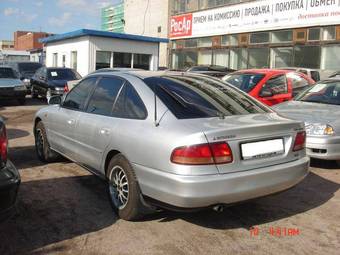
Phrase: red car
pixel 270 86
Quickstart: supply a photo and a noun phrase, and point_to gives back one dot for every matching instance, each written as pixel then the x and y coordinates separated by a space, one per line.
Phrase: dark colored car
pixel 9 177
pixel 211 70
pixel 270 86
pixel 11 87
pixel 25 71
pixel 49 81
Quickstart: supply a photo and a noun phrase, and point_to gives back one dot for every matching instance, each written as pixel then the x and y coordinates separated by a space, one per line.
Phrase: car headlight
pixel 26 80
pixel 319 129
pixel 20 88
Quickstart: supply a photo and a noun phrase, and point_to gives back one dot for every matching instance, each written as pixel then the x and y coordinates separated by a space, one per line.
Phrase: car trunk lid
pixel 249 137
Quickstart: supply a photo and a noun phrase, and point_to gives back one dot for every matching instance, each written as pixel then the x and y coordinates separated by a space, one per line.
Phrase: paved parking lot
pixel 64 209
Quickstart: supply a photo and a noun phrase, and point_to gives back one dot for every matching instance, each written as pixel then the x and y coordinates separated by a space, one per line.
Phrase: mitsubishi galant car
pixel 174 140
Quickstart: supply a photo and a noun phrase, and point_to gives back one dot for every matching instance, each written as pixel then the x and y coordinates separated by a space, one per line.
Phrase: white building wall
pixel 143 17
pixel 65 47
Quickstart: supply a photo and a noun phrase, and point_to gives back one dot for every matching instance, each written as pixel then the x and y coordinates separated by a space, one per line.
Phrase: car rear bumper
pixel 327 148
pixel 208 190
pixel 9 186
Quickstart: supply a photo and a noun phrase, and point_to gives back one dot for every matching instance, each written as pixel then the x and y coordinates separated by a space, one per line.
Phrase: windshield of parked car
pixel 7 73
pixel 63 74
pixel 28 67
pixel 189 97
pixel 323 93
pixel 244 81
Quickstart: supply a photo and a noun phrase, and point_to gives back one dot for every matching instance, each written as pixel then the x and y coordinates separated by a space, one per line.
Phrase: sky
pixel 53 16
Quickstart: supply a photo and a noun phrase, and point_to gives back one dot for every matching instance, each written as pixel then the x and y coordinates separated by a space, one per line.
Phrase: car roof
pixel 147 74
pixel 265 71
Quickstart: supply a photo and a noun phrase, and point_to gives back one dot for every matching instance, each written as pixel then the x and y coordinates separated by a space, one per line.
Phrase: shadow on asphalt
pixel 29 102
pixel 312 192
pixel 24 157
pixel 53 210
pixel 14 133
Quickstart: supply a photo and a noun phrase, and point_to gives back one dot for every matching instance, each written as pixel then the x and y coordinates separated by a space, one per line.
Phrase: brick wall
pixel 24 40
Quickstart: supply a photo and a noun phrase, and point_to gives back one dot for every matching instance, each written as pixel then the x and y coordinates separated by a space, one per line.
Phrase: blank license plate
pixel 263 149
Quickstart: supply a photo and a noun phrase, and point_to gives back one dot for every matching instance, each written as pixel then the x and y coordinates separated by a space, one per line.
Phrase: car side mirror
pixel 55 100
pixel 266 93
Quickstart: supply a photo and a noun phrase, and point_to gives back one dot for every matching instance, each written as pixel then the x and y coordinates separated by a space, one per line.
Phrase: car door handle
pixel 71 122
pixel 104 131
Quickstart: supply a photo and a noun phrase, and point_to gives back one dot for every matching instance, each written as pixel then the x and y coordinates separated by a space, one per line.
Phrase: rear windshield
pixel 7 73
pixel 189 97
pixel 29 67
pixel 63 74
pixel 244 81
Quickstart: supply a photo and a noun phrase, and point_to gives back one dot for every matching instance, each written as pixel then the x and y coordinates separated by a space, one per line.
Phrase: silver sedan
pixel 319 108
pixel 172 140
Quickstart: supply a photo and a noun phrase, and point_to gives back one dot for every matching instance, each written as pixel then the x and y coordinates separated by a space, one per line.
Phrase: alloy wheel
pixel 119 187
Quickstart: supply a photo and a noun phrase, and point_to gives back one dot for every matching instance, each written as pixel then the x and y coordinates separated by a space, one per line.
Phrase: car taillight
pixel 203 154
pixel 300 141
pixel 3 144
pixel 66 88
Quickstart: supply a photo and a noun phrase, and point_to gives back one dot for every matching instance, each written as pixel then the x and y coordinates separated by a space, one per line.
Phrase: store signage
pixel 181 25
pixel 256 16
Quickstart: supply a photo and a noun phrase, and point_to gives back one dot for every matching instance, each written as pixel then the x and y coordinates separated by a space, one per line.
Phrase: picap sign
pixel 256 16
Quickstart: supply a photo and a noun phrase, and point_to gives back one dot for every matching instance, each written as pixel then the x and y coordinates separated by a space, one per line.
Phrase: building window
pixel 307 56
pixel 221 57
pixel 74 60
pixel 282 36
pixel 257 38
pixel 229 40
pixel 55 59
pixel 204 57
pixel 258 58
pixel 204 42
pixel 122 59
pixel 184 59
pixel 141 61
pixel 281 57
pixel 328 33
pixel 330 58
pixel 103 59
pixel 314 34
pixel 190 43
pixel 238 58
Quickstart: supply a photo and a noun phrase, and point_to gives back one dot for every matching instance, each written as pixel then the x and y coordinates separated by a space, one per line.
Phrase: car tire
pixel 22 101
pixel 33 93
pixel 123 189
pixel 42 147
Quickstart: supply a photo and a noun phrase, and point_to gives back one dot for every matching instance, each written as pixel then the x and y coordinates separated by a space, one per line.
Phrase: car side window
pixel 297 80
pixel 104 96
pixel 76 98
pixel 276 85
pixel 129 105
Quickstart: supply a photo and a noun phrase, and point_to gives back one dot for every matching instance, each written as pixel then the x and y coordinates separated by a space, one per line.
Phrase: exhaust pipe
pixel 218 208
